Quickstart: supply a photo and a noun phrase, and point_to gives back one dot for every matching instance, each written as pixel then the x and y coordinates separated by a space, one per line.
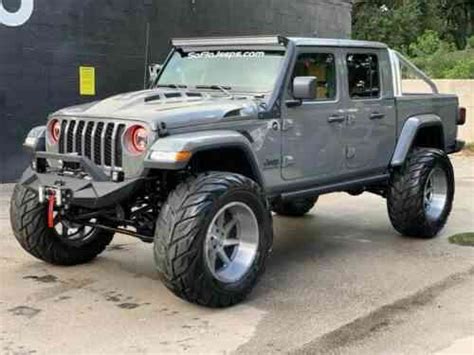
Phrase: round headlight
pixel 137 139
pixel 54 131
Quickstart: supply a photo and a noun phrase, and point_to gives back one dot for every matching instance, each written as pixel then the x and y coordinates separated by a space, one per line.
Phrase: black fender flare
pixel 408 134
pixel 198 142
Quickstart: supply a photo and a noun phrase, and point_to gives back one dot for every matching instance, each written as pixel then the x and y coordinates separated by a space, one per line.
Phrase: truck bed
pixel 443 105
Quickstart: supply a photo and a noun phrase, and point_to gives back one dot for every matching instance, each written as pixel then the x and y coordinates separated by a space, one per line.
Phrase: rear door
pixel 369 135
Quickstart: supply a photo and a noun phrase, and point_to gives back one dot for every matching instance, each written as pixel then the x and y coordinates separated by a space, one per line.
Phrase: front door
pixel 312 148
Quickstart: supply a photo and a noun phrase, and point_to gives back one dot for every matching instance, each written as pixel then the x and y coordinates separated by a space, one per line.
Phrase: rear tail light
pixel 136 139
pixel 462 116
pixel 54 131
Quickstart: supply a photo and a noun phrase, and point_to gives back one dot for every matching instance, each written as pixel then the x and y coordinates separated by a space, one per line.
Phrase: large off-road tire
pixel 203 217
pixel 420 195
pixel 295 208
pixel 29 223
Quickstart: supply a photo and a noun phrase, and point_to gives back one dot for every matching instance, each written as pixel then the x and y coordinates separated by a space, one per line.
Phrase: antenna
pixel 147 54
pixel 148 9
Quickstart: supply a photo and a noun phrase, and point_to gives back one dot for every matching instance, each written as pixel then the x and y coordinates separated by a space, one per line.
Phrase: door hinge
pixel 350 152
pixel 287 125
pixel 350 119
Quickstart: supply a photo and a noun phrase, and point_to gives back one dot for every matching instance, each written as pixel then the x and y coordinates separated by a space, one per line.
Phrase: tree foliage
pixel 399 23
pixel 437 34
pixel 429 43
pixel 448 65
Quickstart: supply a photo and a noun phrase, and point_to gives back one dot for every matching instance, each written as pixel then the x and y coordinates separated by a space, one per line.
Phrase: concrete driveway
pixel 339 281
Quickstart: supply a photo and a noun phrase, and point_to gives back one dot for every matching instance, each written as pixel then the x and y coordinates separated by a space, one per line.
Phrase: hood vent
pixel 174 95
pixel 152 98
pixel 233 113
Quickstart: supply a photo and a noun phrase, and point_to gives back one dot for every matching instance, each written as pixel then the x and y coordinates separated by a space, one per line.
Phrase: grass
pixel 469 148
pixel 464 239
pixel 448 65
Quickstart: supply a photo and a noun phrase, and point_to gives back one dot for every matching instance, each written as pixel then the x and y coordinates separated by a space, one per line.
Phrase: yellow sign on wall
pixel 87 81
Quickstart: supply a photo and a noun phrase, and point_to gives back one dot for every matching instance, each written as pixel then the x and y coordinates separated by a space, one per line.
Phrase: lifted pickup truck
pixel 232 129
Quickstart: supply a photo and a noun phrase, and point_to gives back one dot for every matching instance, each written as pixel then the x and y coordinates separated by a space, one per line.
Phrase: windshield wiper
pixel 224 89
pixel 172 86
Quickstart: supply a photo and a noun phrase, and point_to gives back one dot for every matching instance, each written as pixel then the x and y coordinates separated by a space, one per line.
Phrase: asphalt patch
pixel 62 298
pixel 113 298
pixel 463 239
pixel 128 305
pixel 24 311
pixel 121 301
pixel 117 247
pixel 43 279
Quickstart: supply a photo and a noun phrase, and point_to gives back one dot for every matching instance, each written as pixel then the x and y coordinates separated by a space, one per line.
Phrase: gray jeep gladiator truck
pixel 231 130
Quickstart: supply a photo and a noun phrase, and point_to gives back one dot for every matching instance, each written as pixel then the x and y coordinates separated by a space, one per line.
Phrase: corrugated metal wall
pixel 39 58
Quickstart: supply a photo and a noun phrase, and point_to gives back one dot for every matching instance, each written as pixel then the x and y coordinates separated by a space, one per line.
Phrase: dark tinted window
pixel 323 67
pixel 364 80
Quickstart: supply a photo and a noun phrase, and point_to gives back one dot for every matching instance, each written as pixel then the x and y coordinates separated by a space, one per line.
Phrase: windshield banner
pixel 226 55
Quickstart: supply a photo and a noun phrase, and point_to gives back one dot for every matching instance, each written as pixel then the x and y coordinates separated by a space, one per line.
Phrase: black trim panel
pixel 341 186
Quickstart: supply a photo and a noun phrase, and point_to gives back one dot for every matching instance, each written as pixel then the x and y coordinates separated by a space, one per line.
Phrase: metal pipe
pixel 419 72
pixel 120 230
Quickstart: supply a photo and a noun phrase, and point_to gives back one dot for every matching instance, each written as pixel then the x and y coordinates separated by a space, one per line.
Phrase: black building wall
pixel 40 59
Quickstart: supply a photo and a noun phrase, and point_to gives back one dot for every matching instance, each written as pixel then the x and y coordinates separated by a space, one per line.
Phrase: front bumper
pixel 95 191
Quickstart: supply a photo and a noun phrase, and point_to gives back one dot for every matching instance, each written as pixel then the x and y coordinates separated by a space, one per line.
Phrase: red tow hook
pixel 51 201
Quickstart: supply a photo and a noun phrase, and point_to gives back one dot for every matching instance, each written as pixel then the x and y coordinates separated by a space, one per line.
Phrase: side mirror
pixel 305 87
pixel 153 71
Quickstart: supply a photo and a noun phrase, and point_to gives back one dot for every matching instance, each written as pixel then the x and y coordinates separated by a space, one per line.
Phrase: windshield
pixel 251 71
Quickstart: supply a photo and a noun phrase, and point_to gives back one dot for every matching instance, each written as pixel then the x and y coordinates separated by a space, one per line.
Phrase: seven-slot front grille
pixel 99 141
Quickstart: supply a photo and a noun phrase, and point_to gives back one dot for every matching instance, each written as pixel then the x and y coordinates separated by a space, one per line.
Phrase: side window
pixel 323 67
pixel 364 77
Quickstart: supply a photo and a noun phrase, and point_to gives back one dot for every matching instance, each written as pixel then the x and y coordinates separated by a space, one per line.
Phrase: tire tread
pixel 178 252
pixel 405 194
pixel 28 221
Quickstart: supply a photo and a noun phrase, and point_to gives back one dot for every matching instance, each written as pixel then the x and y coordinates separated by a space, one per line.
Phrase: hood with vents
pixel 176 108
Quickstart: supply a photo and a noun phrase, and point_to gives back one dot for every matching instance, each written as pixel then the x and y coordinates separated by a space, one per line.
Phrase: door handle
pixel 336 119
pixel 377 116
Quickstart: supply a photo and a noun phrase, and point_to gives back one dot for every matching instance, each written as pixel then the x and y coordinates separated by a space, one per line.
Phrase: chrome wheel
pixel 232 242
pixel 435 194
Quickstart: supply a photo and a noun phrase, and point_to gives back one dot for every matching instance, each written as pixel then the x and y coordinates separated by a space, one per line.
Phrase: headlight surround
pixel 54 131
pixel 136 139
